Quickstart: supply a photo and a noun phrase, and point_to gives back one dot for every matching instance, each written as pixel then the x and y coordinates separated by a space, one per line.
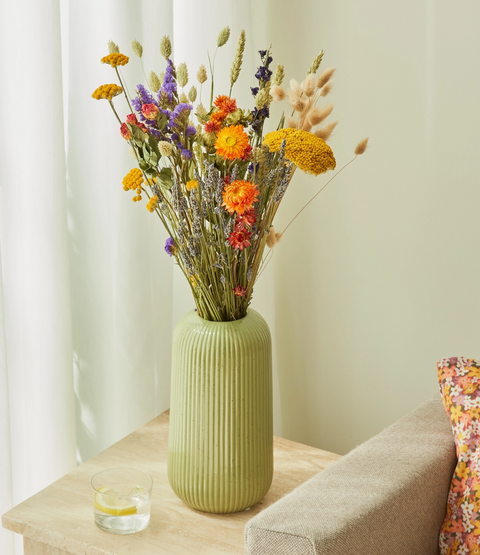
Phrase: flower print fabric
pixel 459 380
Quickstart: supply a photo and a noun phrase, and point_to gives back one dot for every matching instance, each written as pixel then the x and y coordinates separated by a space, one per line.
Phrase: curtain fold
pixel 36 372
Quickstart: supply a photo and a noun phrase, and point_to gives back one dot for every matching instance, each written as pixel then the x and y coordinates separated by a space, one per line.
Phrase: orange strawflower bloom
pixel 225 103
pixel 232 142
pixel 239 196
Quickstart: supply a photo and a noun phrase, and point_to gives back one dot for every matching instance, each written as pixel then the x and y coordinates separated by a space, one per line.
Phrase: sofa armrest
pixel 388 495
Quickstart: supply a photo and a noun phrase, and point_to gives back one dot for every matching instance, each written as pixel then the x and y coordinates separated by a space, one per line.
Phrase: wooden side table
pixel 59 519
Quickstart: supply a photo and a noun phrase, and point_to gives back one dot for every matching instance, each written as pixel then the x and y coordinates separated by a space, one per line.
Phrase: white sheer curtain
pixel 81 273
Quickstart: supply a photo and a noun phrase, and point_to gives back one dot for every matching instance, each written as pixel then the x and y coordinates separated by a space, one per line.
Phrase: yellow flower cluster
pixel 107 92
pixel 133 182
pixel 115 59
pixel 310 153
pixel 192 184
pixel 152 203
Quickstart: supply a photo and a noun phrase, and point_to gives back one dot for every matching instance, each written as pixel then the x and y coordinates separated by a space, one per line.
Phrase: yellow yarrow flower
pixel 133 182
pixel 193 184
pixel 307 151
pixel 152 203
pixel 115 59
pixel 107 92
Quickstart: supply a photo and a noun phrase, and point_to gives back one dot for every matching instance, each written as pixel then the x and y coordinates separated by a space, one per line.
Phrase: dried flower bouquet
pixel 216 184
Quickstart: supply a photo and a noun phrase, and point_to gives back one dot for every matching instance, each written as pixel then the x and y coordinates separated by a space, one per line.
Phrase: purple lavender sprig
pixel 170 247
pixel 169 86
pixel 263 74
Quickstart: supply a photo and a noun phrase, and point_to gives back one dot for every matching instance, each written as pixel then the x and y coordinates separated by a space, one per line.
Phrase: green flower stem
pixel 316 194
pixel 115 112
pixel 124 90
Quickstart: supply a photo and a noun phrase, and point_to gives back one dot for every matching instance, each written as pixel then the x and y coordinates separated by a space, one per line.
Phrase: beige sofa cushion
pixel 386 497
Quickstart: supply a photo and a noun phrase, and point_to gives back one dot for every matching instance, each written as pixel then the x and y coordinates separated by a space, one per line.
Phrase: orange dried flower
pixel 214 123
pixel 225 103
pixel 232 142
pixel 212 127
pixel 239 196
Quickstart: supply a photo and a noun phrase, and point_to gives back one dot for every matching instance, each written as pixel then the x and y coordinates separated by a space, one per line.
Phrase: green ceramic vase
pixel 220 451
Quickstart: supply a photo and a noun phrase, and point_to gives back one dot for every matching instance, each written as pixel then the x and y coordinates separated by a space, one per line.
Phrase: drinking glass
pixel 121 500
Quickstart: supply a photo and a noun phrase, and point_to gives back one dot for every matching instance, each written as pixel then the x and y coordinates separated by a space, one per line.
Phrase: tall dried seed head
pixel 183 98
pixel 325 131
pixel 317 115
pixel 182 75
pixel 192 93
pixel 277 93
pixel 137 48
pixel 202 74
pixel 306 125
pixel 279 75
pixel 316 63
pixel 298 104
pixel 166 47
pixel 295 87
pixel 223 36
pixel 263 98
pixel 113 48
pixel 361 147
pixel 154 82
pixel 326 89
pixel 290 122
pixel 201 110
pixel 273 237
pixel 238 59
pixel 308 85
pixel 325 77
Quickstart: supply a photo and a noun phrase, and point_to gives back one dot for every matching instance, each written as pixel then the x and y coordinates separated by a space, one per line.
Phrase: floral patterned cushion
pixel 459 380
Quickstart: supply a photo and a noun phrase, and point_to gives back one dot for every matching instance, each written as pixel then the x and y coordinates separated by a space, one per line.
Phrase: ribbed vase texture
pixel 220 457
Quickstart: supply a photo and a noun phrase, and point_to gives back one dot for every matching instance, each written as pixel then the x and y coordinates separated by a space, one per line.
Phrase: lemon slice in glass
pixel 107 502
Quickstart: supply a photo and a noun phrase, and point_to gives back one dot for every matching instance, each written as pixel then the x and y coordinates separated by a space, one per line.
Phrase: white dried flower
pixel 165 148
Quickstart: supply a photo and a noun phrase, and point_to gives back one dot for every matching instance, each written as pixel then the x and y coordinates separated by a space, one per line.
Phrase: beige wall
pixel 379 278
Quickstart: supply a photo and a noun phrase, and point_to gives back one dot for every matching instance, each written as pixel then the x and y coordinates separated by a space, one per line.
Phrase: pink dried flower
pixel 132 119
pixel 240 291
pixel 125 132
pixel 150 111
